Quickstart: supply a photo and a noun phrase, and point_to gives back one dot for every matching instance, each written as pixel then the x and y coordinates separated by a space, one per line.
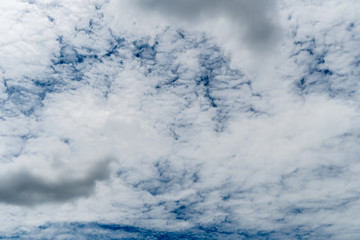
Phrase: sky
pixel 181 119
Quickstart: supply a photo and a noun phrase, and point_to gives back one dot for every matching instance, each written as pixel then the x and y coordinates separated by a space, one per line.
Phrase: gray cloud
pixel 255 19
pixel 24 188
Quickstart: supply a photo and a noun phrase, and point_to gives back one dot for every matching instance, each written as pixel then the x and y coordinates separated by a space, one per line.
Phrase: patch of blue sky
pixel 97 230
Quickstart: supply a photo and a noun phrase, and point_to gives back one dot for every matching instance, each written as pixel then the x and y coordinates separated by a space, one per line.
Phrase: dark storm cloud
pixel 257 18
pixel 24 188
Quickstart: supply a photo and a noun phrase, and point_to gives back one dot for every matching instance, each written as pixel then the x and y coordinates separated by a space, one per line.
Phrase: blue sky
pixel 178 119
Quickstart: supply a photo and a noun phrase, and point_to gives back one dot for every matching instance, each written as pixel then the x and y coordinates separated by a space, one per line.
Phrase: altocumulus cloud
pixel 124 119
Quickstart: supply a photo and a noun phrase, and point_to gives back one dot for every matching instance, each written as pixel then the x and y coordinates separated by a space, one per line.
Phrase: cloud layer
pixel 115 124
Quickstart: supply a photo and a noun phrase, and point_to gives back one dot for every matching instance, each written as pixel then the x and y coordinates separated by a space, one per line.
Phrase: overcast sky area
pixel 180 119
